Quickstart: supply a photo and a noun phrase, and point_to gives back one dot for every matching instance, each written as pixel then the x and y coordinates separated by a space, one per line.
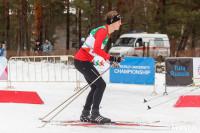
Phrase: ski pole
pixel 64 102
pixel 150 107
pixel 75 97
pixel 193 84
pixel 65 106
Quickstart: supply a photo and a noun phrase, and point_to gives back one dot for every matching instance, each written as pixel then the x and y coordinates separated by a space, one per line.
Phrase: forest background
pixel 22 22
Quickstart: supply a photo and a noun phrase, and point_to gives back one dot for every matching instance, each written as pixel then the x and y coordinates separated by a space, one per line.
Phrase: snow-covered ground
pixel 120 102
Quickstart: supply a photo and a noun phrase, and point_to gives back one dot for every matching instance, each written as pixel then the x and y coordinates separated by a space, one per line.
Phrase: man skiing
pixel 92 47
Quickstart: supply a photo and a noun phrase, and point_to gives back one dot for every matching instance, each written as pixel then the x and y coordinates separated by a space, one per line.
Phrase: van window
pixel 159 42
pixel 139 41
pixel 125 42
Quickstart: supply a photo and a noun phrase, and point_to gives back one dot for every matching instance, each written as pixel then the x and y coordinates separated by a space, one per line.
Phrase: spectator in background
pixel 47 47
pixel 37 47
pixel 1 49
pixel 81 43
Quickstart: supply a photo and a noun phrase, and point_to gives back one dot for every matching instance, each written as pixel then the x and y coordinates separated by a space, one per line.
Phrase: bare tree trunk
pixel 38 20
pixel 194 34
pixel 48 22
pixel 15 39
pixel 109 5
pixel 120 6
pixel 161 11
pixel 98 12
pixel 79 25
pixel 25 19
pixel 132 18
pixel 67 25
pixel 173 48
pixel 119 9
pixel 108 46
pixel 163 21
pixel 7 18
pixel 184 40
pixel 18 32
pixel 90 19
pixel 21 45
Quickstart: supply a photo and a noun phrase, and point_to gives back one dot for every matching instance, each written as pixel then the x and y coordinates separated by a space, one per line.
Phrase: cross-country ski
pixel 113 123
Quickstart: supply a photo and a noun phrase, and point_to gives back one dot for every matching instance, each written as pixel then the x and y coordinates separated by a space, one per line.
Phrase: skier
pixel 94 46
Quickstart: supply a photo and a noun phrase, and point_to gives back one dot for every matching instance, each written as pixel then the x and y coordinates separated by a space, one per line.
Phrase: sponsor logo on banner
pixel 179 71
pixel 128 69
pixel 196 69
pixel 134 70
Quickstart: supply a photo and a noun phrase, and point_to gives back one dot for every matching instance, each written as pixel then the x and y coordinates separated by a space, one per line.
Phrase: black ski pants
pixel 97 88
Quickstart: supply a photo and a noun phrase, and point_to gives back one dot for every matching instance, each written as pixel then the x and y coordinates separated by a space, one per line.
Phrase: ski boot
pixel 97 118
pixel 85 116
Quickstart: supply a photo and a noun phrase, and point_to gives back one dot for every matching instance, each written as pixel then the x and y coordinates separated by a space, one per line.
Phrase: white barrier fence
pixel 41 69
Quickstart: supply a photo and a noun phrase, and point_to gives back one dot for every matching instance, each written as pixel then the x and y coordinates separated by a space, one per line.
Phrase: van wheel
pixel 160 58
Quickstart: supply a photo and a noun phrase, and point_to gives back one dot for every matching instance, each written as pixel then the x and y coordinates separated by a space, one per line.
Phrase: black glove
pixel 115 59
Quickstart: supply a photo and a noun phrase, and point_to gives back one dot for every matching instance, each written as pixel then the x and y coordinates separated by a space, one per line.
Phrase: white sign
pixel 3 68
pixel 196 71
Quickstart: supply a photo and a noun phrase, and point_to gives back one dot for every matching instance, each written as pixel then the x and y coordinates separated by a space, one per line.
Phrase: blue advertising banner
pixel 134 70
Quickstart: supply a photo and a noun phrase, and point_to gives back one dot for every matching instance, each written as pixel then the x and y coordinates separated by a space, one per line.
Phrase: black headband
pixel 115 19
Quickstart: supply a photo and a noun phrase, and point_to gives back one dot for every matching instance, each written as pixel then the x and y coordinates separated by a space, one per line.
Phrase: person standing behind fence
pixel 1 50
pixel 37 47
pixel 82 42
pixel 47 47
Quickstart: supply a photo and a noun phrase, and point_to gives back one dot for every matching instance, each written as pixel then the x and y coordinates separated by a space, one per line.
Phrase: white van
pixel 142 45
